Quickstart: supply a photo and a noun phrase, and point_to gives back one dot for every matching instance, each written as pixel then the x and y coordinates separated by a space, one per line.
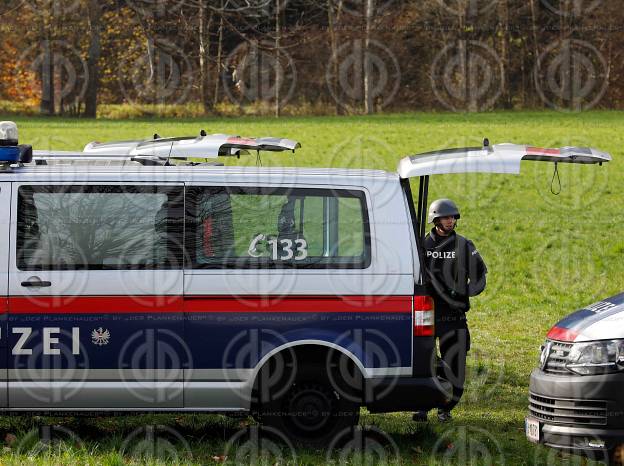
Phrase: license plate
pixel 532 429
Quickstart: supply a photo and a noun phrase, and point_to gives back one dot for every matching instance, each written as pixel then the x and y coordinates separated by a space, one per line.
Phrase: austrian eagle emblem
pixel 100 336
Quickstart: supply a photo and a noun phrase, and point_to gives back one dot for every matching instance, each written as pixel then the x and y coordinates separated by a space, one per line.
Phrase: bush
pixel 17 108
pixel 189 110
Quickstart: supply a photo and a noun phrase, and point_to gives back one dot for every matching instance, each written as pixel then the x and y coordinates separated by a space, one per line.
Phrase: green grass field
pixel 547 256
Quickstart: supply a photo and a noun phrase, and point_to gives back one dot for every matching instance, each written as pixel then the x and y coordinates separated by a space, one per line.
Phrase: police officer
pixel 456 272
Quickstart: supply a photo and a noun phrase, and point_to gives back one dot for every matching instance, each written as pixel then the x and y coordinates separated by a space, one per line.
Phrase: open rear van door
pixel 500 158
pixel 203 146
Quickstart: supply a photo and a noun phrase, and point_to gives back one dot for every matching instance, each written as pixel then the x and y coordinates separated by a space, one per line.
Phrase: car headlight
pixel 596 357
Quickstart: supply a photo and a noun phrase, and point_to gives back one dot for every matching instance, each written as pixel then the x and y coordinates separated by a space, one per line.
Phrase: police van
pixel 144 276
pixel 576 400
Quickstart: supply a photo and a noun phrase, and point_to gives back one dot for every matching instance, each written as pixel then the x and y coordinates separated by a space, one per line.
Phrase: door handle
pixel 36 282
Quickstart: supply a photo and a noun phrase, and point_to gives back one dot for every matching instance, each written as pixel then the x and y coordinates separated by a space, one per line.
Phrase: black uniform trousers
pixel 454 342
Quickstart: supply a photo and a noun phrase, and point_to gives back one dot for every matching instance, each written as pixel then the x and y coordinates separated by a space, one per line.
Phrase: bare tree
pixel 332 19
pixel 278 68
pixel 219 64
pixel 504 50
pixel 534 26
pixel 46 65
pixel 93 58
pixel 204 53
pixel 47 79
pixel 368 95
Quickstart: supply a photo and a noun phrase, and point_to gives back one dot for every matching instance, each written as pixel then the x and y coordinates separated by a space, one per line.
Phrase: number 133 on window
pixel 281 249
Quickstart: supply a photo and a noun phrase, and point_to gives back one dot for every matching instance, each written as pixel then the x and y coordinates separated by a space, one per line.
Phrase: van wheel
pixel 310 413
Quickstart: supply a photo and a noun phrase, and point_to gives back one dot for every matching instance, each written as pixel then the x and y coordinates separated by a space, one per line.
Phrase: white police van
pixel 576 401
pixel 137 280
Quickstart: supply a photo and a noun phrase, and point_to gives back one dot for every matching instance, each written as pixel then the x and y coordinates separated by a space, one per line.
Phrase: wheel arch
pixel 325 345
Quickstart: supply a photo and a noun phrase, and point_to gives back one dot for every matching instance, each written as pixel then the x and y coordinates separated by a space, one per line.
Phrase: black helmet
pixel 442 208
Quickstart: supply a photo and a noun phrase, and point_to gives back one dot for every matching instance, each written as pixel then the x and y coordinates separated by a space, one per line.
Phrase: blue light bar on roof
pixel 9 154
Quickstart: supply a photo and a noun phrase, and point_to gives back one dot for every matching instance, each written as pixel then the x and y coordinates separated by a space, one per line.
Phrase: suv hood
pixel 603 320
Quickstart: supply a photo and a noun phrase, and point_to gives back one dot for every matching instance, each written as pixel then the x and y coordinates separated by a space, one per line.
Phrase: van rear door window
pixel 237 227
pixel 99 227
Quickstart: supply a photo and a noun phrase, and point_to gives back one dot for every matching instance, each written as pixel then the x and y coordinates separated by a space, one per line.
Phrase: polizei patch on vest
pixel 441 254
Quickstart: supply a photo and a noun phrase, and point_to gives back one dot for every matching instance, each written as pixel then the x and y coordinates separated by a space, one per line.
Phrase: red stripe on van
pixel 298 304
pixel 94 304
pixel 170 304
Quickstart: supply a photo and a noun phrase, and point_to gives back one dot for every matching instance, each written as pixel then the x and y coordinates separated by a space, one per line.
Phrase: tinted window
pixel 262 227
pixel 99 227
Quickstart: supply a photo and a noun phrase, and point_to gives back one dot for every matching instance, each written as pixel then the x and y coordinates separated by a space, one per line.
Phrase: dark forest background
pixel 74 57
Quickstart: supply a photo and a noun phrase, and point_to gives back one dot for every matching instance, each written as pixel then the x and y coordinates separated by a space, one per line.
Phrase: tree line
pixel 333 56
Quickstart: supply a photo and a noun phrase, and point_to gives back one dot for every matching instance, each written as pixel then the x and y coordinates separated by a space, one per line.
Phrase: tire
pixel 310 413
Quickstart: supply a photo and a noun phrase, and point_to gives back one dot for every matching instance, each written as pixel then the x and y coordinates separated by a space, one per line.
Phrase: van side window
pixel 238 227
pixel 99 227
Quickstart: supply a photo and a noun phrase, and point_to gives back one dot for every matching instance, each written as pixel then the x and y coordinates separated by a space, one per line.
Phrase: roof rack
pixel 160 151
pixel 41 157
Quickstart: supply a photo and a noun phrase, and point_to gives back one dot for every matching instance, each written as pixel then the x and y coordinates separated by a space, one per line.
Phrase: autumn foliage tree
pixel 339 56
